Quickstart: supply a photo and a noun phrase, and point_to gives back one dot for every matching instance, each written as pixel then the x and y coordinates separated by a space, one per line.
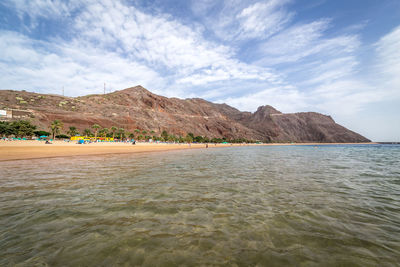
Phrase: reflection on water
pixel 302 205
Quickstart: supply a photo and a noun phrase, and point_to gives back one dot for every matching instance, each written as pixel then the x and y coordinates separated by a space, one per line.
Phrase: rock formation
pixel 137 108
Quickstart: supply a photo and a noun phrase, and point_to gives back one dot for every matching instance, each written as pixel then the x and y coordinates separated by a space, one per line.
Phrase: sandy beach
pixel 15 150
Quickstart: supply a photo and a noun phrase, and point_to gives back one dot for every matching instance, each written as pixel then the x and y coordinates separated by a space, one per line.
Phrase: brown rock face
pixel 137 108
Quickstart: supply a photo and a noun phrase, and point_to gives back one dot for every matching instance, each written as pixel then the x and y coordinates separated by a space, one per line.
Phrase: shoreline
pixel 22 150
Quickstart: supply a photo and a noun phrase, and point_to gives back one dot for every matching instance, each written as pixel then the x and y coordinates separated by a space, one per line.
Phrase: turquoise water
pixel 239 206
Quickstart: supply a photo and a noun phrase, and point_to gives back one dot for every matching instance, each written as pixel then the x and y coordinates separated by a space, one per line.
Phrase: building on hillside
pixel 5 114
pixel 8 114
pixel 20 114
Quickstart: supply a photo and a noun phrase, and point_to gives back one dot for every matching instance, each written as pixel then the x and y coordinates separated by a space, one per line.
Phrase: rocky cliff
pixel 137 108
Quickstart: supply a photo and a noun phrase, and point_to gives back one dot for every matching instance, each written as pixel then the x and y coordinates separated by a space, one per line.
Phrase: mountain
pixel 137 108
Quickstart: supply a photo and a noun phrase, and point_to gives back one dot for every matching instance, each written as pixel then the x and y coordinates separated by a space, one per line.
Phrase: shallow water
pixel 244 206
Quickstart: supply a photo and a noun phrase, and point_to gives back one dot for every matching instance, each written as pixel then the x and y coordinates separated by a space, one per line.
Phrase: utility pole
pixel 63 91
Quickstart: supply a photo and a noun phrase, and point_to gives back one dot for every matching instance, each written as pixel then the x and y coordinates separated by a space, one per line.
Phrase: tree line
pixel 24 128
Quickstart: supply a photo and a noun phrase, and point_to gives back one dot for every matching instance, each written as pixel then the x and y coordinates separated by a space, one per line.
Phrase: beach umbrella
pixel 43 136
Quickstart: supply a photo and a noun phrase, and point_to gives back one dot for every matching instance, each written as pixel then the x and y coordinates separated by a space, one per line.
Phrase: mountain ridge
pixel 138 108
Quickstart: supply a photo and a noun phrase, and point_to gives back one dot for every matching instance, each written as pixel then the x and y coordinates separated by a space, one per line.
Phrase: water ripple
pixel 245 206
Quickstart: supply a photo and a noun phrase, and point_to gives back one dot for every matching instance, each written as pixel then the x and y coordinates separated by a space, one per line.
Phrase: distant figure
pixel 47 142
pixel 206 145
pixel 133 142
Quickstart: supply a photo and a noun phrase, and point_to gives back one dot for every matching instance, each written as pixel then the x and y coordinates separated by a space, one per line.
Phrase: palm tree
pixel 73 131
pixel 121 132
pixel 113 129
pixel 55 127
pixel 96 127
pixel 104 132
pixel 87 132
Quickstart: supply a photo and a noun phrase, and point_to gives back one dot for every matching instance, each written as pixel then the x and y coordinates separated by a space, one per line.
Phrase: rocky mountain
pixel 137 108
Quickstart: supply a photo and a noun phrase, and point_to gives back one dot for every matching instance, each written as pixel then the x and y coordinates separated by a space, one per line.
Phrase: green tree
pixel 22 128
pixel 144 132
pixel 55 127
pixel 189 138
pixel 96 128
pixel 113 129
pixel 164 135
pixel 131 135
pixel 137 131
pixel 198 139
pixel 73 131
pixel 5 129
pixel 103 132
pixel 121 133
pixel 87 132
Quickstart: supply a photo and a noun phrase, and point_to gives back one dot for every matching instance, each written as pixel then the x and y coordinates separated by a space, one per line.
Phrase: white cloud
pixel 344 97
pixel 163 43
pixel 28 64
pixel 388 65
pixel 36 9
pixel 142 47
pixel 262 19
pixel 284 98
pixel 301 41
pixel 243 20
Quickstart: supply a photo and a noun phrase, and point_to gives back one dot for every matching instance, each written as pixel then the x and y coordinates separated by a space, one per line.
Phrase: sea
pixel 324 205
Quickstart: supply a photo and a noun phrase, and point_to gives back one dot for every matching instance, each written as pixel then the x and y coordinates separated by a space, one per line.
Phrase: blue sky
pixel 340 58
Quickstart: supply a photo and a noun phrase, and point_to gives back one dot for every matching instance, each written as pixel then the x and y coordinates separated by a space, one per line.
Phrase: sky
pixel 336 57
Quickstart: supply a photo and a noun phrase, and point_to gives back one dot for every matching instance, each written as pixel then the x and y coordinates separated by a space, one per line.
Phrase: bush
pixel 41 133
pixel 62 136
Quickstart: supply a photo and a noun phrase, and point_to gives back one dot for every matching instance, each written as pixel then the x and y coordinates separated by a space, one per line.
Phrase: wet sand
pixel 15 150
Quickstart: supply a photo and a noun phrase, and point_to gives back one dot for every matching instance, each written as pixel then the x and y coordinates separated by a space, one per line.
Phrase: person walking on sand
pixel 206 145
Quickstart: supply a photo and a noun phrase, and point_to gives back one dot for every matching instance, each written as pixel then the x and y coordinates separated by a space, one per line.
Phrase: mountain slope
pixel 137 108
